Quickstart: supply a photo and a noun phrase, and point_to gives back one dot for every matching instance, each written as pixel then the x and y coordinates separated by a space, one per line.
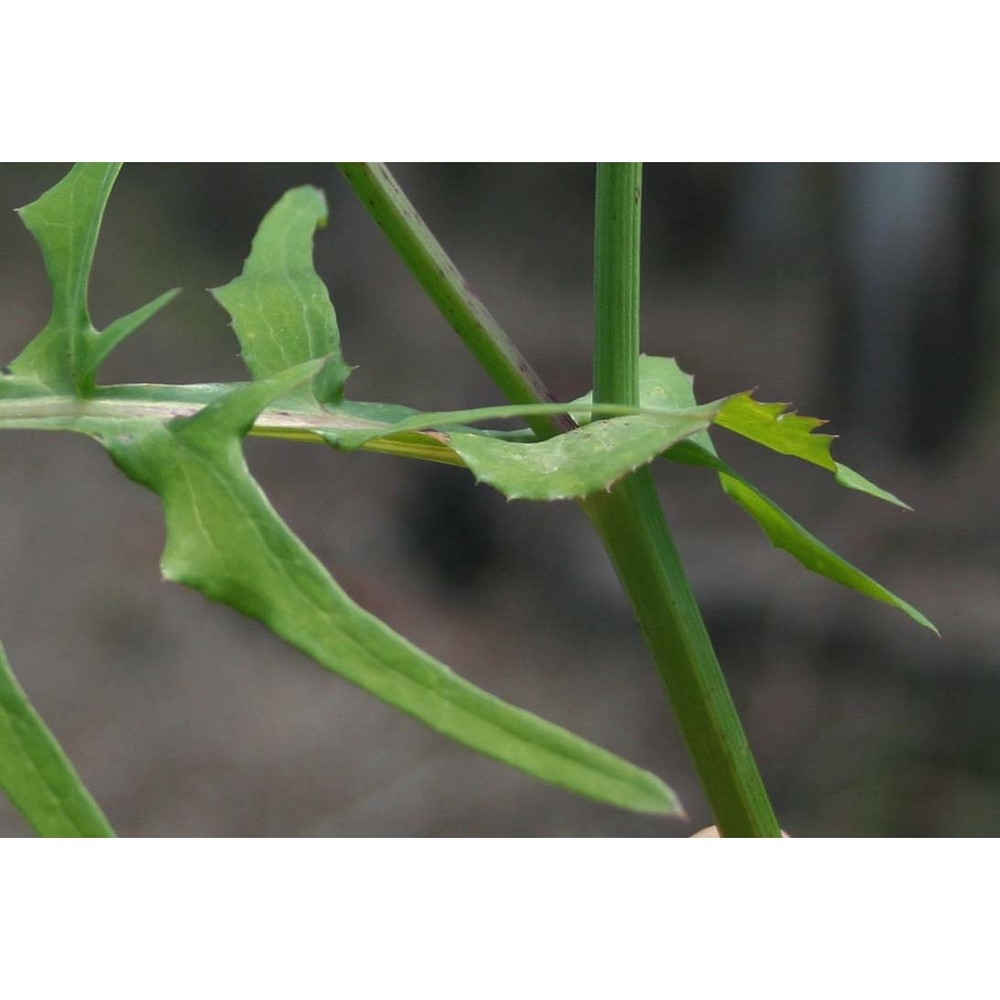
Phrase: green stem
pixel 631 524
pixel 634 531
pixel 616 283
pixel 449 291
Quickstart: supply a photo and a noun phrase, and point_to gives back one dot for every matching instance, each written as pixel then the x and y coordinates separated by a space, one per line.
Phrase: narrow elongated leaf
pixel 35 773
pixel 786 533
pixel 280 308
pixel 855 481
pixel 124 327
pixel 225 540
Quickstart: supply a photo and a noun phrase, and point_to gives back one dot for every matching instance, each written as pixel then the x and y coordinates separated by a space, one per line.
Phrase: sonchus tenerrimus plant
pixel 225 539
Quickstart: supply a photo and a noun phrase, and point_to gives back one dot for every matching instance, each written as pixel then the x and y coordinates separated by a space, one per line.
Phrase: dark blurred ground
pixel 865 294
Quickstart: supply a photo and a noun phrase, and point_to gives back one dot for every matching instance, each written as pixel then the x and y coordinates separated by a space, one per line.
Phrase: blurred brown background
pixel 864 293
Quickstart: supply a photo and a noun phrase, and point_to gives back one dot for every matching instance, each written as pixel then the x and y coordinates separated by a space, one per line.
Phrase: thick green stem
pixel 631 524
pixel 449 291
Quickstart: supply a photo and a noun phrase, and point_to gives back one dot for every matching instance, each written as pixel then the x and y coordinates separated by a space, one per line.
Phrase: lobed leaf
pixel 225 540
pixel 663 383
pixel 280 308
pixel 778 428
pixel 35 772
pixel 775 427
pixel 65 222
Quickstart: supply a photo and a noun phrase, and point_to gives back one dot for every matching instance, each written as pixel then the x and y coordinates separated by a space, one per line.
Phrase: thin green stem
pixel 616 283
pixel 449 291
pixel 631 524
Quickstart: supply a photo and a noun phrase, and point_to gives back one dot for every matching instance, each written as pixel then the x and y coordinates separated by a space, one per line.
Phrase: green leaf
pixel 117 331
pixel 225 540
pixel 65 222
pixel 280 308
pixel 786 533
pixel 776 427
pixel 35 773
pixel 855 481
pixel 786 432
pixel 662 381
pixel 581 461
pixel 663 384
pixel 568 466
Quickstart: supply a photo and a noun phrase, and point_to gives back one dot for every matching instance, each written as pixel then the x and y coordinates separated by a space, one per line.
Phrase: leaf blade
pixel 776 427
pixel 662 383
pixel 65 222
pixel 786 533
pixel 114 333
pixel 225 540
pixel 280 308
pixel 36 774
pixel 579 462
